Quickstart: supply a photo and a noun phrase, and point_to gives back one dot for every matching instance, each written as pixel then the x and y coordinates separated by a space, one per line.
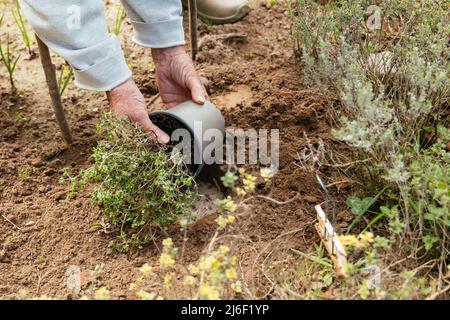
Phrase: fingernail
pixel 164 139
pixel 201 99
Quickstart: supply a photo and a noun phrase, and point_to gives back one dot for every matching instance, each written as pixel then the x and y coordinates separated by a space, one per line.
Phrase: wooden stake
pixel 331 242
pixel 52 84
pixel 192 5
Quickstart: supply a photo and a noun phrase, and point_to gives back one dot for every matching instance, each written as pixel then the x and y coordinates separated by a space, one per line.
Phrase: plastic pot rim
pixel 191 131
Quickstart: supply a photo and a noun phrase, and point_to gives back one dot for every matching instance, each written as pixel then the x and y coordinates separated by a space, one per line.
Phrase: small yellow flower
pixel 267 174
pixel 240 192
pixel 102 294
pixel 231 218
pixel 249 183
pixel 223 249
pixel 144 295
pixel 227 204
pixel 364 291
pixel 215 277
pixel 342 239
pixel 237 287
pixel 360 244
pixel 233 260
pixel 349 240
pixel 367 237
pixel 189 280
pixel 167 243
pixel 146 269
pixel 208 292
pixel 194 270
pixel 168 278
pixel 380 294
pixel 231 274
pixel 216 265
pixel 222 222
pixel 209 263
pixel 166 260
pixel 204 290
pixel 241 171
pixel 183 222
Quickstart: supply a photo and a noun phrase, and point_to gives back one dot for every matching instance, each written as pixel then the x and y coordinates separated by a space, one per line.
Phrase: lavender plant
pixel 392 88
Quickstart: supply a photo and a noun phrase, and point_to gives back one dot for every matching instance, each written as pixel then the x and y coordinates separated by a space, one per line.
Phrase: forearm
pixel 95 55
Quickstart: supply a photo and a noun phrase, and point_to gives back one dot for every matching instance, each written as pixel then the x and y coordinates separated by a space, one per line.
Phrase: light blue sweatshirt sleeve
pixel 77 31
pixel 157 23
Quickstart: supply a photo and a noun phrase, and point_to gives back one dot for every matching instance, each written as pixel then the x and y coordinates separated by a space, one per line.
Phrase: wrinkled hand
pixel 178 80
pixel 127 100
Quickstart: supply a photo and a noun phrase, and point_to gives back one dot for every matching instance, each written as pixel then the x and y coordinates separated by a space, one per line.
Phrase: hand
pixel 127 100
pixel 178 80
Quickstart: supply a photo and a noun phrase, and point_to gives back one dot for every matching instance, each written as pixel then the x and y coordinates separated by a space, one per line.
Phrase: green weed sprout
pixel 9 61
pixel 139 185
pixel 118 21
pixel 65 76
pixel 18 19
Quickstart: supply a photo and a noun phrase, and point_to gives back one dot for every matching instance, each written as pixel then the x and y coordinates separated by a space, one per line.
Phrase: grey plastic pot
pixel 197 119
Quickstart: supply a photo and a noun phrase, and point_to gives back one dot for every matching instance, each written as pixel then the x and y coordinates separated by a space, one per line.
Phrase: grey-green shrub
pixel 392 92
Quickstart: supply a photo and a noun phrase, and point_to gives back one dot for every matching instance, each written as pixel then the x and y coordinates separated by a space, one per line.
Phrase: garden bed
pixel 360 97
pixel 253 78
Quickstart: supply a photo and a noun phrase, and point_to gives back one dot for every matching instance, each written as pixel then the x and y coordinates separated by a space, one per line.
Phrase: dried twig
pixel 11 222
pixel 437 294
pixel 153 99
pixel 40 278
pixel 280 203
